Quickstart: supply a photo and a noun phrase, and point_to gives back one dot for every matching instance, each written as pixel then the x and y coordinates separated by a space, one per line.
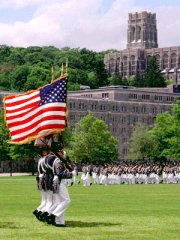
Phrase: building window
pixel 123 130
pixel 143 109
pixel 133 96
pixel 105 95
pixel 157 98
pixel 145 97
pixel 123 108
pixel 123 119
pixel 154 110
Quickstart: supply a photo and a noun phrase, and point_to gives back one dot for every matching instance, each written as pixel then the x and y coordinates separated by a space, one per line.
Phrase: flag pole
pixel 66 66
pixel 62 70
pixel 52 73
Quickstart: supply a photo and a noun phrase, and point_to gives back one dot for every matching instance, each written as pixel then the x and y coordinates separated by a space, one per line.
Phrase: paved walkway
pixel 15 174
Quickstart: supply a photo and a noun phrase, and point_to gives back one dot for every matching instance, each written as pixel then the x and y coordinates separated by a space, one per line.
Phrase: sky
pixel 97 25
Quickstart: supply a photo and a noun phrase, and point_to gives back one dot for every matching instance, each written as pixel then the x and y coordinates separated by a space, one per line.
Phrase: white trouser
pixel 47 200
pixel 68 181
pixel 61 201
pixel 43 200
pixel 74 179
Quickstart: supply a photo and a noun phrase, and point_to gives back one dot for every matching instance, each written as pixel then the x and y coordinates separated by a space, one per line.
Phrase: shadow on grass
pixel 10 225
pixel 80 224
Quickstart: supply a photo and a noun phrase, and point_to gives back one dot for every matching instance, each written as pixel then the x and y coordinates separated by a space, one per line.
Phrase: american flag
pixel 37 113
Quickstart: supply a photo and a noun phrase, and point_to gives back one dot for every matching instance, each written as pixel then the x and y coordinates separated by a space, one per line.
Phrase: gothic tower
pixel 142 31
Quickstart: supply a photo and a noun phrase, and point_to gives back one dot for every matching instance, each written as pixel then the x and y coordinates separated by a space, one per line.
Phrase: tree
pixel 142 144
pixel 92 142
pixel 167 133
pixel 37 77
pixel 25 151
pixel 12 152
pixel 4 137
pixel 153 76
pixel 137 81
pixel 116 79
pixel 101 75
pixel 19 77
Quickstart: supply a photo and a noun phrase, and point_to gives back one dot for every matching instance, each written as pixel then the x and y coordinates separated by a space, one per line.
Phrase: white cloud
pixel 78 23
pixel 15 4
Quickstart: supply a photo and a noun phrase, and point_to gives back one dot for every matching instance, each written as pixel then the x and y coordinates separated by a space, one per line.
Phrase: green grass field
pixel 131 212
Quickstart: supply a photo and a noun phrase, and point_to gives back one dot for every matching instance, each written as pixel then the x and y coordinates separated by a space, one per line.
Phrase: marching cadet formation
pixel 128 173
pixel 52 173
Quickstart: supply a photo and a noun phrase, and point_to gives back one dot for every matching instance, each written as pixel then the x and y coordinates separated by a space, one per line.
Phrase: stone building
pixel 142 43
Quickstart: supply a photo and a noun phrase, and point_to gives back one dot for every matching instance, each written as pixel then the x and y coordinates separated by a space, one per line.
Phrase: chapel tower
pixel 142 30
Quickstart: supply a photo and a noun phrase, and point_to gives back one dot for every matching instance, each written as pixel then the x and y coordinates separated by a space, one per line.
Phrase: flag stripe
pixel 29 104
pixel 20 113
pixel 34 112
pixel 23 124
pixel 16 98
pixel 34 135
pixel 13 102
pixel 32 128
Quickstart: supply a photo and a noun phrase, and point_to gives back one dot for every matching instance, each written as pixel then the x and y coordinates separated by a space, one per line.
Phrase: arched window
pixel 173 60
pixel 165 61
pixel 148 59
pixel 125 62
pixel 132 36
pixel 118 65
pixel 132 65
pixel 111 65
pixel 138 33
pixel 158 59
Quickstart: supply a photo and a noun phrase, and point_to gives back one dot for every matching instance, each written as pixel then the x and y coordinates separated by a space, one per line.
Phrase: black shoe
pixel 72 184
pixel 90 183
pixel 43 216
pixel 79 182
pixel 50 219
pixel 35 212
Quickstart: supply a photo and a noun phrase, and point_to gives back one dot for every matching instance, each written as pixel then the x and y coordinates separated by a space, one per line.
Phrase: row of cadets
pixel 74 179
pixel 74 175
pixel 171 176
pixel 85 177
pixel 116 174
pixel 52 173
pixel 96 174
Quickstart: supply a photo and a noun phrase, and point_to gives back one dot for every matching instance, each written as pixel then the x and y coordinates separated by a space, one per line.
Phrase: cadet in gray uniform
pixel 44 182
pixel 61 199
